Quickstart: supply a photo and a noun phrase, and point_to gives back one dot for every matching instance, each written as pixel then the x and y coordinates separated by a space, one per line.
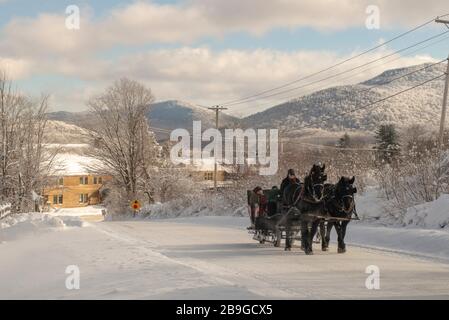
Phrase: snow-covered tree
pixel 121 139
pixel 25 162
pixel 387 142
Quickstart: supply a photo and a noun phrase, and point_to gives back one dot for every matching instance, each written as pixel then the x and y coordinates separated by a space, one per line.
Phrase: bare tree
pixel 25 161
pixel 120 137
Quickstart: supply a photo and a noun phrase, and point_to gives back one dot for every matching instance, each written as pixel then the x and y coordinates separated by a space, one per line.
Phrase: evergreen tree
pixel 387 142
pixel 344 141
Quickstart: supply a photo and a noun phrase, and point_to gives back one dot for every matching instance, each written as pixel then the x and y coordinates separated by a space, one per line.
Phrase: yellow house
pixel 72 186
pixel 208 174
pixel 204 173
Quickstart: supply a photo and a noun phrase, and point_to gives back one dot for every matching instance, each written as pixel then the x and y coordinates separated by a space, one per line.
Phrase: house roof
pixel 209 165
pixel 69 164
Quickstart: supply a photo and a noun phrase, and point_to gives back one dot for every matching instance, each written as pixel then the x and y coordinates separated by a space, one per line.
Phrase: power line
pixel 363 106
pixel 338 74
pixel 335 65
pixel 288 98
pixel 356 109
pixel 401 77
pixel 160 130
pixel 374 103
pixel 362 91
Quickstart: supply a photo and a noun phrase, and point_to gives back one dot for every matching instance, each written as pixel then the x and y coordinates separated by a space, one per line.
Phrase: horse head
pixel 317 177
pixel 344 194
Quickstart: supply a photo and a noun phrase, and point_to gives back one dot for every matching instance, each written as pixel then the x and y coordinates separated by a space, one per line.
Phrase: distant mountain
pixel 68 117
pixel 175 114
pixel 61 132
pixel 163 116
pixel 329 109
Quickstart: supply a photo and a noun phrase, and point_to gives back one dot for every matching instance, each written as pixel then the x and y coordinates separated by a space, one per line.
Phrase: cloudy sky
pixel 206 51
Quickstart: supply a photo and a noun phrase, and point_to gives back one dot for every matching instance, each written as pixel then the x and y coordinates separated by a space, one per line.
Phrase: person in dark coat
pixel 289 179
pixel 263 205
pixel 273 198
pixel 255 204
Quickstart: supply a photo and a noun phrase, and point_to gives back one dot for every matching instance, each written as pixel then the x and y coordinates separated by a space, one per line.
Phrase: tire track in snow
pixel 220 275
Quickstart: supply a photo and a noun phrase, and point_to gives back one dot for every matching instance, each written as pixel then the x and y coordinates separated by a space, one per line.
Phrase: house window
pixel 57 199
pixel 60 181
pixel 208 176
pixel 84 198
pixel 84 180
pixel 98 180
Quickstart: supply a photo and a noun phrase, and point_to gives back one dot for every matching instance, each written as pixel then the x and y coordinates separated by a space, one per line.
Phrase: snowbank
pixel 78 212
pixel 218 207
pixel 413 241
pixel 181 208
pixel 372 207
pixel 19 225
pixel 370 204
pixel 433 214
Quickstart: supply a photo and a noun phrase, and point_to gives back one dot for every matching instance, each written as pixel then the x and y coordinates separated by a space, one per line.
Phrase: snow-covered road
pixel 209 258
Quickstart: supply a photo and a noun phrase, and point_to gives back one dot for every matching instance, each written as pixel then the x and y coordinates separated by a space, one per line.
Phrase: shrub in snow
pixel 206 203
pixel 420 175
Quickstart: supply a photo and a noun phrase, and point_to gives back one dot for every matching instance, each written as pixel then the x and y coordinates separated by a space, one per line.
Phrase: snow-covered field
pixel 213 258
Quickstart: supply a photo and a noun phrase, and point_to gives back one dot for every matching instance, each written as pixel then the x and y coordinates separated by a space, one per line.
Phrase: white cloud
pixel 146 22
pixel 207 77
pixel 42 45
pixel 16 68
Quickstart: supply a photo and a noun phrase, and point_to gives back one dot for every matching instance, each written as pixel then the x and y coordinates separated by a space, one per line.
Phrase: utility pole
pixel 443 112
pixel 446 88
pixel 217 109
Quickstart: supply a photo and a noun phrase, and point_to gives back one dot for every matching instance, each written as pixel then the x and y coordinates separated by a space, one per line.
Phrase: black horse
pixel 339 203
pixel 305 202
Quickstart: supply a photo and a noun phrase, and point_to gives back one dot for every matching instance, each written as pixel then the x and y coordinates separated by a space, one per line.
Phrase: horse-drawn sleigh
pixel 302 208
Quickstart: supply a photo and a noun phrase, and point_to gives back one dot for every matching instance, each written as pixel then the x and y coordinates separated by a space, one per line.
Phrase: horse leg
pixel 278 237
pixel 313 230
pixel 304 234
pixel 306 238
pixel 327 237
pixel 288 244
pixel 341 244
pixel 324 244
pixel 338 228
pixel 288 237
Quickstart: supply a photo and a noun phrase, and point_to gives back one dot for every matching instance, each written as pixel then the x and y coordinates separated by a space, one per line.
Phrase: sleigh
pixel 273 229
pixel 286 222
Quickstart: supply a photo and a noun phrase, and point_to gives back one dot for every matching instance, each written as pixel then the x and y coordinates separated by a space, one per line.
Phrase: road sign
pixel 135 205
